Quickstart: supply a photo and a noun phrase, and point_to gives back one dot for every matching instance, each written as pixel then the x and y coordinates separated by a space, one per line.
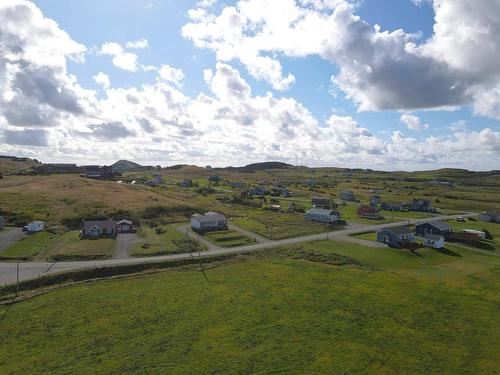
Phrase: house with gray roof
pixel 209 221
pixel 395 235
pixel 98 228
pixel 435 241
pixel 491 216
pixel 2 222
pixel 433 227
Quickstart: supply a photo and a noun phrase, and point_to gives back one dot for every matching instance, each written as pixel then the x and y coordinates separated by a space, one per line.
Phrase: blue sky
pixel 353 106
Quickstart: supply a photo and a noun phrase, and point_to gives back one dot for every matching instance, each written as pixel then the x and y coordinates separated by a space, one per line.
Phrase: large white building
pixel 322 215
pixel 208 221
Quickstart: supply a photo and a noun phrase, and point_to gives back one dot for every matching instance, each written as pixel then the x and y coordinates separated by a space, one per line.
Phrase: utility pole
pixel 17 278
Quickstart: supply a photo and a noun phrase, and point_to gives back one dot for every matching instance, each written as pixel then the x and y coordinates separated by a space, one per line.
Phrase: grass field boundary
pixel 106 272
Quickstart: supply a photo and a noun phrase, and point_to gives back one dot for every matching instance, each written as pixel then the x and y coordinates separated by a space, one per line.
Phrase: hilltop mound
pixel 263 166
pixel 13 164
pixel 125 165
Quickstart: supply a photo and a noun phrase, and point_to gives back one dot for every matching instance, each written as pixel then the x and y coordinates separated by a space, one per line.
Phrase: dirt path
pixel 124 242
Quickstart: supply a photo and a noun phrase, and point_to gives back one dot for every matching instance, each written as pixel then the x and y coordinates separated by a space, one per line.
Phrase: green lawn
pixel 278 225
pixel 370 236
pixel 168 242
pixel 275 313
pixel 228 238
pixel 70 246
pixel 30 245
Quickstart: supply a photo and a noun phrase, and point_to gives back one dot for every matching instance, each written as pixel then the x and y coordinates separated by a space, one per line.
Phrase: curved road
pixel 30 270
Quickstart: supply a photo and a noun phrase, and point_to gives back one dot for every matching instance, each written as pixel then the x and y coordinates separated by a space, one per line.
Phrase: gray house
pixel 433 227
pixel 421 205
pixel 395 235
pixel 186 183
pixel 493 217
pixel 347 195
pixel 322 215
pixel 2 222
pixel 321 202
pixel 392 206
pixel 98 228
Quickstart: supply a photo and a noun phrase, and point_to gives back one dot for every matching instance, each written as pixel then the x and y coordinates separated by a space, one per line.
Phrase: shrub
pixel 159 230
pixel 488 234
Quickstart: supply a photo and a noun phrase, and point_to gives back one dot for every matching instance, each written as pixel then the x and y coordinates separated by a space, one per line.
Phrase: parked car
pixel 461 219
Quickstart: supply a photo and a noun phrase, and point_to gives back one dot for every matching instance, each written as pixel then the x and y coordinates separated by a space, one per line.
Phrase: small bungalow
pixel 208 222
pixel 347 195
pixel 492 217
pixel 435 241
pixel 286 193
pixel 215 178
pixel 322 215
pixel 98 228
pixel 156 181
pixel 433 227
pixel 2 222
pixel 395 235
pixel 321 202
pixel 368 212
pixel 258 191
pixel 186 183
pixel 35 226
pixel 421 205
pixel 392 206
pixel 125 226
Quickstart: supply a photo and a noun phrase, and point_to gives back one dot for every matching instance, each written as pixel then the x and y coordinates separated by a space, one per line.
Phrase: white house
pixel 434 240
pixel 35 226
pixel 322 215
pixel 208 221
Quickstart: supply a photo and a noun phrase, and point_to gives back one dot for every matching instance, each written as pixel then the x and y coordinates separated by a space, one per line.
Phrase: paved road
pixel 9 235
pixel 31 270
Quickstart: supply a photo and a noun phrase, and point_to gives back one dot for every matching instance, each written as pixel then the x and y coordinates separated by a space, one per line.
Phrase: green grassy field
pixel 163 243
pixel 278 312
pixel 30 246
pixel 228 238
pixel 278 225
pixel 370 236
pixel 70 246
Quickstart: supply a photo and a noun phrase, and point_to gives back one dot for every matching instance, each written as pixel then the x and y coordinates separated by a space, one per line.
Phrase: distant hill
pixel 125 165
pixel 14 164
pixel 262 166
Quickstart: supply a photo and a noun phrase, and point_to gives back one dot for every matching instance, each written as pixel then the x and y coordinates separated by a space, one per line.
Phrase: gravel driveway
pixel 9 235
pixel 124 242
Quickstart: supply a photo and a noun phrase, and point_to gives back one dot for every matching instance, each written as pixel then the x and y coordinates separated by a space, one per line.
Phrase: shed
pixel 35 226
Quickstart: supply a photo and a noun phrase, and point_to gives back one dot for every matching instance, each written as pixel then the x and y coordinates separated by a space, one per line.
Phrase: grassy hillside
pixel 13 164
pixel 290 311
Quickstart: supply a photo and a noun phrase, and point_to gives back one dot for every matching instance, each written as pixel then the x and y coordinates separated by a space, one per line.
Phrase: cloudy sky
pixel 393 84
